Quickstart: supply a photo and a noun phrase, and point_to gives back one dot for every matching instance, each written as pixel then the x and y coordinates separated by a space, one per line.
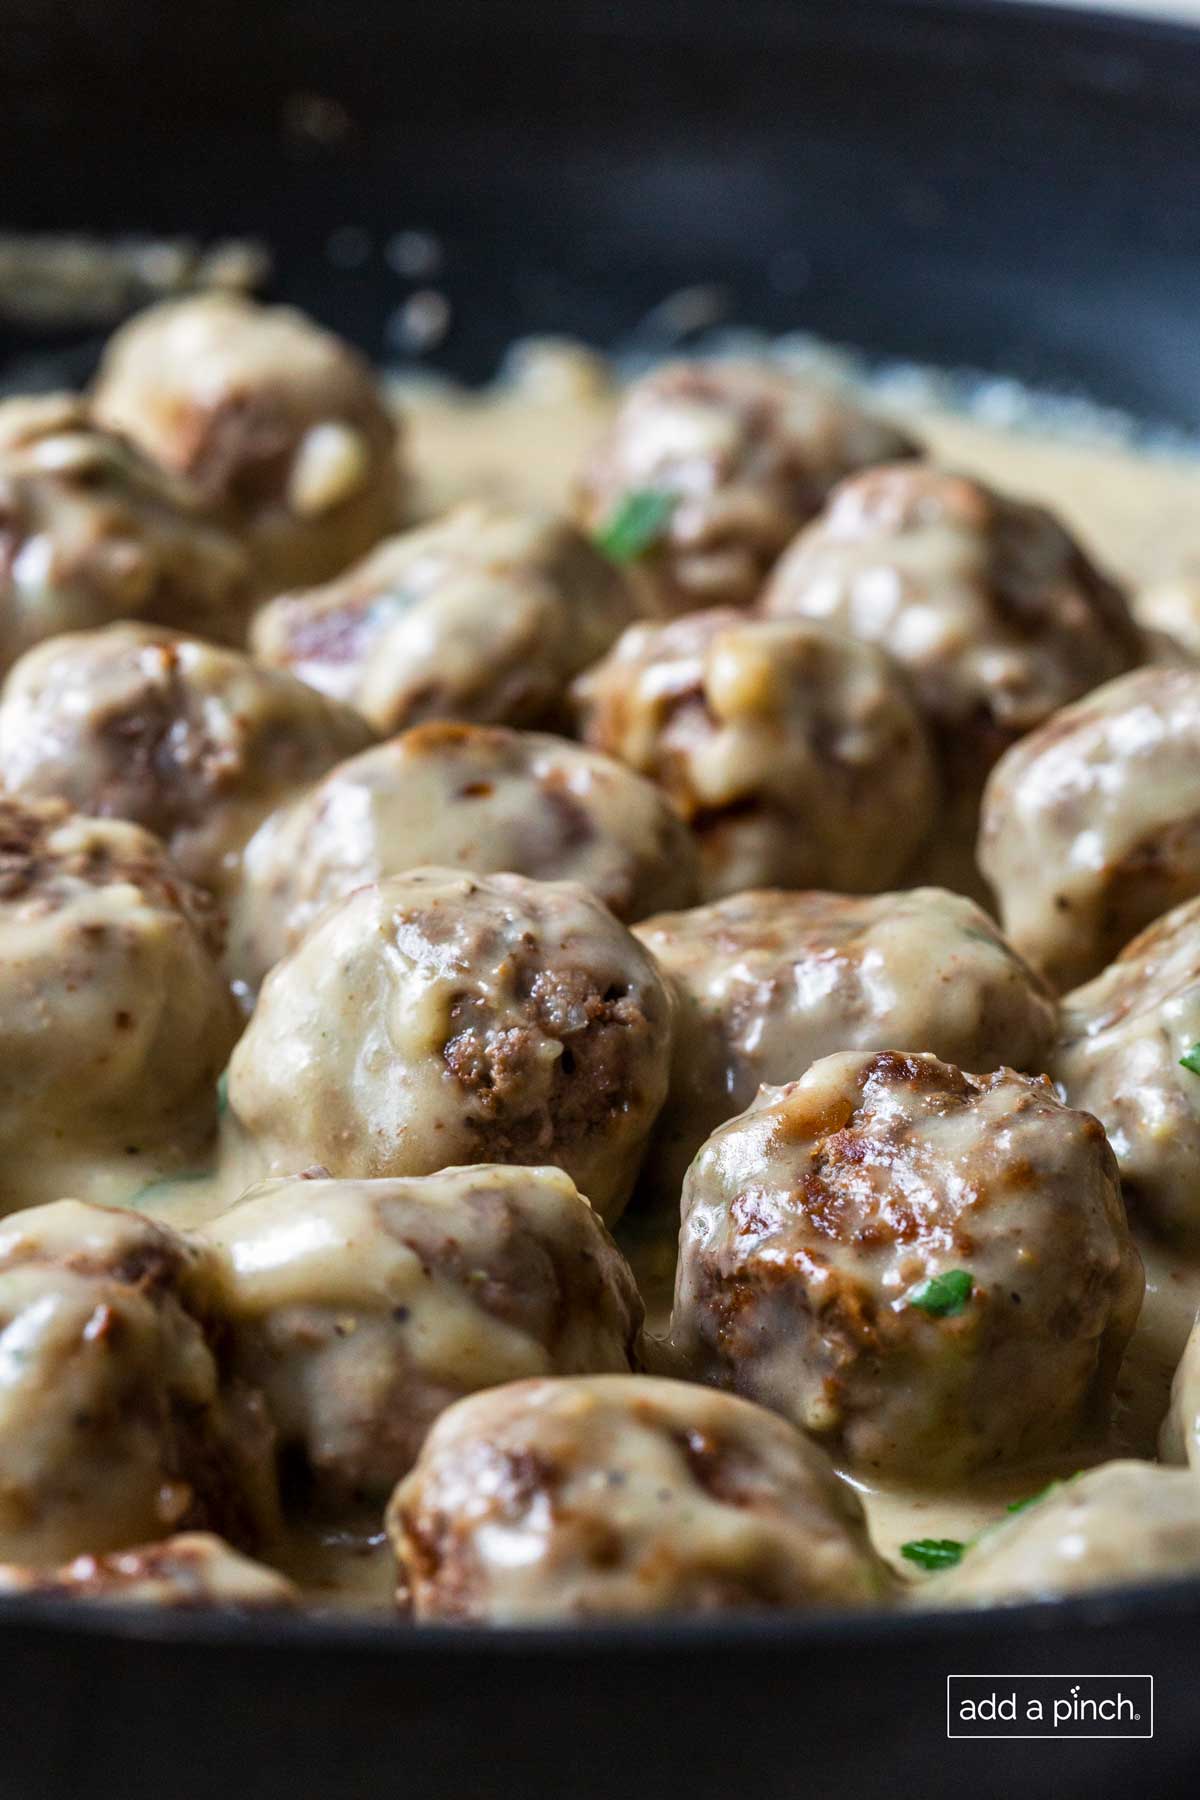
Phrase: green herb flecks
pixel 1190 1060
pixel 1051 1487
pixel 933 1553
pixel 636 524
pixel 943 1296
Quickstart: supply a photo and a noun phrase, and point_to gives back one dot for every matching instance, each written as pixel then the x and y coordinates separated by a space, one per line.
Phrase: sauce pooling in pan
pixel 311 963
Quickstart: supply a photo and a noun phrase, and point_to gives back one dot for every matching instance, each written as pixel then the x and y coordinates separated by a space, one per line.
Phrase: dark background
pixel 951 183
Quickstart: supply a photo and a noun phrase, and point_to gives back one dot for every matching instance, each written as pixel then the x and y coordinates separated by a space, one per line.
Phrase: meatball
pixel 474 796
pixel 1123 1522
pixel 363 1308
pixel 438 1018
pixel 930 1271
pixel 191 1570
pixel 994 610
pixel 194 742
pixel 485 614
pixel 1091 826
pixel 1171 612
pixel 623 1495
pixel 90 531
pixel 114 1428
pixel 795 754
pixel 711 468
pixel 768 982
pixel 115 1021
pixel 1123 1038
pixel 1179 1440
pixel 280 425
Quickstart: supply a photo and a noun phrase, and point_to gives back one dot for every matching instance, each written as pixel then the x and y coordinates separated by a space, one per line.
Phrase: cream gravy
pixel 1139 513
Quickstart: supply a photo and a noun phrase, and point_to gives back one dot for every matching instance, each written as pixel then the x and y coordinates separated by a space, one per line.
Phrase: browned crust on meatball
pixel 31 863
pixel 737 508
pixel 600 1031
pixel 857 1201
pixel 1066 621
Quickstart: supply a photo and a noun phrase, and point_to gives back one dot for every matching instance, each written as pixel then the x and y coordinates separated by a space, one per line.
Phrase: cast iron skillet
pixel 1000 186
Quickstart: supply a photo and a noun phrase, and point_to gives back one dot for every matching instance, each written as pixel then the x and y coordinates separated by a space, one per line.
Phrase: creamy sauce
pixel 897 1514
pixel 339 1568
pixel 1139 514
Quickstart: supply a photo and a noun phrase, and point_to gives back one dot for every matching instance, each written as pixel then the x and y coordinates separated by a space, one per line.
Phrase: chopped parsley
pixel 943 1296
pixel 1019 1506
pixel 933 1553
pixel 635 524
pixel 1190 1060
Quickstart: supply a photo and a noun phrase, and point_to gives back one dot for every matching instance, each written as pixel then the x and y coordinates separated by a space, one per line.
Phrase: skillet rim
pixel 384 1635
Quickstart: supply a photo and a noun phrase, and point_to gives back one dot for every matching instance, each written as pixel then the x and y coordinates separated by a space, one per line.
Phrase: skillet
pixel 1002 186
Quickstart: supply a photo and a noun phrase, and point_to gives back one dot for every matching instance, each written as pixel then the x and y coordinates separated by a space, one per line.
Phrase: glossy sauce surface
pixel 1140 515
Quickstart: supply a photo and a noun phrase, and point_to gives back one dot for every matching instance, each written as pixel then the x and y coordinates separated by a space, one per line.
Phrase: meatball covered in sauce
pixel 115 1021
pixel 709 470
pixel 192 1570
pixel 114 1424
pixel 620 1496
pixel 362 1309
pixel 484 798
pixel 485 614
pixel 1121 1523
pixel 192 741
pixel 91 531
pixel 1179 1440
pixel 1091 826
pixel 1169 614
pixel 279 424
pixel 930 1271
pixel 990 605
pixel 769 982
pixel 438 1018
pixel 796 755
pixel 1124 1038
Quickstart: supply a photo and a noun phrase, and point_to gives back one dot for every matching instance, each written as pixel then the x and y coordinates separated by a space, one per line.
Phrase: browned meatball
pixel 930 1271
pixel 769 982
pixel 191 1570
pixel 279 424
pixel 115 1021
pixel 796 755
pixel 711 468
pixel 479 797
pixel 363 1308
pixel 1123 1038
pixel 1169 615
pixel 485 614
pixel 439 1018
pixel 91 531
pixel 194 742
pixel 624 1495
pixel 990 605
pixel 114 1425
pixel 1091 825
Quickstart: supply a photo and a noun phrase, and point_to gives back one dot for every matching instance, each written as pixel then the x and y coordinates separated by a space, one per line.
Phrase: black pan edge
pixel 383 1636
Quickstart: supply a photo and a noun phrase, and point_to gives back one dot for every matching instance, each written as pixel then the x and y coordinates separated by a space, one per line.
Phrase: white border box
pixel 1069 1691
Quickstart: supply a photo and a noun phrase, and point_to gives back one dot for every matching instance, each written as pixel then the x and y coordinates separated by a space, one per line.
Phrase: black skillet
pixel 1007 187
